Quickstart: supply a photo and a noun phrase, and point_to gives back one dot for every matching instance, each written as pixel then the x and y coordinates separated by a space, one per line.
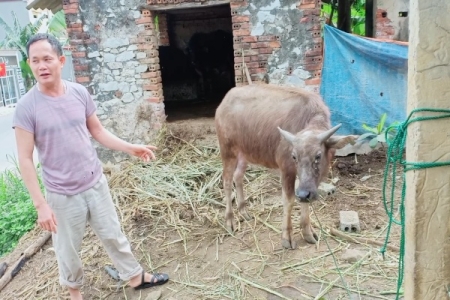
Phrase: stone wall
pixel 115 55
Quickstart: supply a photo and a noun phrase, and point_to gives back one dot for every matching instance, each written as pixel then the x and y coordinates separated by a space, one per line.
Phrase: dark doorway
pixel 197 68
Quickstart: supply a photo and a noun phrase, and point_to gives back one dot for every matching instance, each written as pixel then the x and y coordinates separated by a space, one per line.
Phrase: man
pixel 57 117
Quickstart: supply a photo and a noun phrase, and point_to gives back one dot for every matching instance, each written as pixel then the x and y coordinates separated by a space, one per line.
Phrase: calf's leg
pixel 305 222
pixel 239 181
pixel 287 185
pixel 229 167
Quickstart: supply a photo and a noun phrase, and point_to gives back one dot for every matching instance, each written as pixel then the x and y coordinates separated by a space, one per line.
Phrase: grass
pixel 17 213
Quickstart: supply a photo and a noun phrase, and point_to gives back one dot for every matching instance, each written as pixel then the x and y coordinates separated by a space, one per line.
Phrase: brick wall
pixel 163 30
pixel 384 26
pixel 313 57
pixel 392 20
pixel 267 52
pixel 148 44
pixel 256 49
pixel 253 50
pixel 79 40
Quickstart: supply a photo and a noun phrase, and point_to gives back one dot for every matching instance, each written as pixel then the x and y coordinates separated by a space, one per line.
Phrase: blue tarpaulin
pixel 362 79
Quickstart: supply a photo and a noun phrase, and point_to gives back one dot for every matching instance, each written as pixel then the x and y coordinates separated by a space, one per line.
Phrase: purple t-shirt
pixel 69 161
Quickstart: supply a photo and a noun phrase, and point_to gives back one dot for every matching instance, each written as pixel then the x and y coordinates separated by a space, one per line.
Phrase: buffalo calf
pixel 280 128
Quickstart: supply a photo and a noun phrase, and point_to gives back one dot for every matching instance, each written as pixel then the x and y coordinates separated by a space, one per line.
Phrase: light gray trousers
pixel 72 213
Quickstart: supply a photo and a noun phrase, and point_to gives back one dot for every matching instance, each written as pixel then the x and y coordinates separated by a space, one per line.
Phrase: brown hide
pixel 276 127
pixel 248 117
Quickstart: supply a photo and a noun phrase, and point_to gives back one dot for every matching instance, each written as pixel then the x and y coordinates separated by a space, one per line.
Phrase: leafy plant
pixel 358 12
pixel 377 134
pixel 158 33
pixel 57 26
pixel 17 37
pixel 17 212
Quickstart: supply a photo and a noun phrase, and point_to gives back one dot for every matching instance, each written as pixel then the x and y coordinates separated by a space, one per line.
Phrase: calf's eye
pixel 317 158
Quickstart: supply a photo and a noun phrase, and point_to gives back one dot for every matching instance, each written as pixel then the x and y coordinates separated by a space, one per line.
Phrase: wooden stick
pixel 241 279
pixel 361 240
pixel 30 251
pixel 245 71
pixel 3 267
pixel 243 62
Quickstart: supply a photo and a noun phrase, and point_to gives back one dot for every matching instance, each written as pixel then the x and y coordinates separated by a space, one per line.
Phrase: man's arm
pixel 109 140
pixel 104 137
pixel 25 147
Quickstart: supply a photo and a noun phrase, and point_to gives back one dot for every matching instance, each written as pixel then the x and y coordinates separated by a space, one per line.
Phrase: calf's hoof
pixel 230 228
pixel 311 238
pixel 288 244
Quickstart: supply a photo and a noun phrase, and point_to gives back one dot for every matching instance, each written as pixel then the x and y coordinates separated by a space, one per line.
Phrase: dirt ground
pixel 204 262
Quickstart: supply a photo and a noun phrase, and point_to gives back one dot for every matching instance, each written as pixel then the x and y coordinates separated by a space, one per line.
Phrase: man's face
pixel 45 63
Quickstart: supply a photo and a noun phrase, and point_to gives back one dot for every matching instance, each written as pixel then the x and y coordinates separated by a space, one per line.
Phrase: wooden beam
pixel 427 202
pixel 371 16
pixel 24 257
pixel 183 5
pixel 344 22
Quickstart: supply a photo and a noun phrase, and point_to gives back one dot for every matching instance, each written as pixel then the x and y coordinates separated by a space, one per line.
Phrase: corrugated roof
pixel 53 5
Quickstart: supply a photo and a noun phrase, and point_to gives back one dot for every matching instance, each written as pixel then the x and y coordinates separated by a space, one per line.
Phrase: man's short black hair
pixel 56 45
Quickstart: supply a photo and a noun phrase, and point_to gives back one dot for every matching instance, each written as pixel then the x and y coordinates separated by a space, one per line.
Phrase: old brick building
pixel 120 49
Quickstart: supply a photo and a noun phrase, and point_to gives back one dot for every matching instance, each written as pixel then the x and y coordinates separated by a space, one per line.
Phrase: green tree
pixel 358 14
pixel 17 37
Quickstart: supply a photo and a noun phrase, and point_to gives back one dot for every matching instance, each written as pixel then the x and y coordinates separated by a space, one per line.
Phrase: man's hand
pixel 142 151
pixel 46 218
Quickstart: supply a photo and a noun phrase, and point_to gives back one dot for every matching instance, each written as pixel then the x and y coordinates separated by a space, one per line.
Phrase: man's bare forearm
pixel 29 177
pixel 111 141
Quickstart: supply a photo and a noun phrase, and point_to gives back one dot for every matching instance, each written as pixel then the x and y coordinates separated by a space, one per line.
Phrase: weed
pixel 377 134
pixel 17 212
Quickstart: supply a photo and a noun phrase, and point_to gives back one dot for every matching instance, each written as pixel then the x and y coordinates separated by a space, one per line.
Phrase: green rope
pixel 394 158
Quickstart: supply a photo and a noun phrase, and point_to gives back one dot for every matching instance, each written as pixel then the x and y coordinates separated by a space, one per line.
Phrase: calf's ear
pixel 339 141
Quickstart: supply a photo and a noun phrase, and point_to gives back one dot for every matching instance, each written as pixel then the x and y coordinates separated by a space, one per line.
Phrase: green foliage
pixel 26 70
pixel 376 134
pixel 358 15
pixel 17 38
pixel 17 212
pixel 57 26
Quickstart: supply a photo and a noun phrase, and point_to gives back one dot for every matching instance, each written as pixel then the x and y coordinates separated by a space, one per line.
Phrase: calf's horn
pixel 287 135
pixel 327 134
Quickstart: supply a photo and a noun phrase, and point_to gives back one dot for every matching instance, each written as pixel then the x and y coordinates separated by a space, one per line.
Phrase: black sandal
pixel 160 278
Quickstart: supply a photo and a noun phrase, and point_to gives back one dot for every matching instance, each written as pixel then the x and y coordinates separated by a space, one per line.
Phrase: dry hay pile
pixel 173 214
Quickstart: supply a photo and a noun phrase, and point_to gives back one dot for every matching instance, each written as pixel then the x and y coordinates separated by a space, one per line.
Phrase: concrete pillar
pixel 427 260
